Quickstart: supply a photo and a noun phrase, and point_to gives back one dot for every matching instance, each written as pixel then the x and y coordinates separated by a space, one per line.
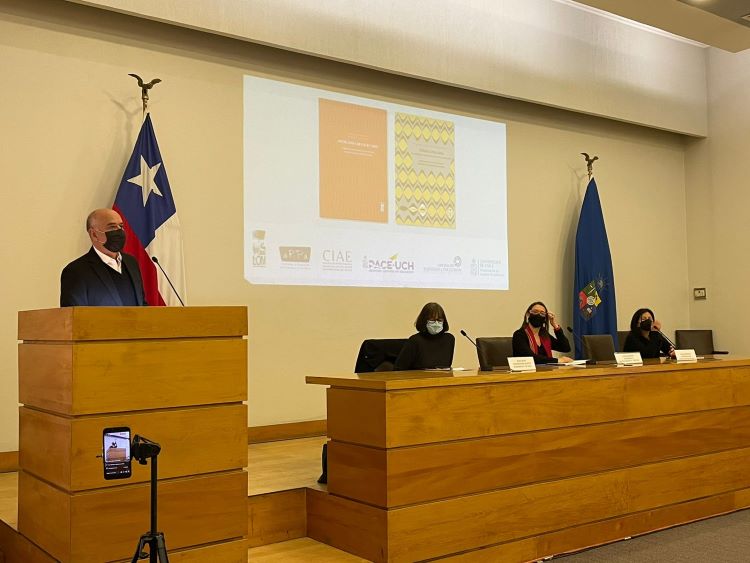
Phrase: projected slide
pixel 350 191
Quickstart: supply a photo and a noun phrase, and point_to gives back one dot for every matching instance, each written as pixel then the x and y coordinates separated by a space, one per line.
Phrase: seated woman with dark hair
pixel 533 338
pixel 645 336
pixel 432 346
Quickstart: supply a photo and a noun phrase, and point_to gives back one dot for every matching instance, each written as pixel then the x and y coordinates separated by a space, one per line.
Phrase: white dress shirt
pixel 114 263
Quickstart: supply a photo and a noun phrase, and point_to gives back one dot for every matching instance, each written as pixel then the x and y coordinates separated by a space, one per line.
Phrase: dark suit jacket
pixel 86 282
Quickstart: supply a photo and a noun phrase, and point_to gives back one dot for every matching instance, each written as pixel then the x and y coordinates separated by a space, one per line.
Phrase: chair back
pixel 378 354
pixel 598 347
pixel 702 341
pixel 493 351
pixel 622 336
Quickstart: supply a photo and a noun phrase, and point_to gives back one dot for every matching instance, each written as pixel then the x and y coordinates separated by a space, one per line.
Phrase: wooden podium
pixel 177 376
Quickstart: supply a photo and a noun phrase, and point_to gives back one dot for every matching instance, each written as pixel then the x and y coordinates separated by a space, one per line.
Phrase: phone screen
pixel 116 452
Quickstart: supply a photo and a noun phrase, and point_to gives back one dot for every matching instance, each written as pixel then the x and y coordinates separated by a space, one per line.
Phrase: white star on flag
pixel 146 180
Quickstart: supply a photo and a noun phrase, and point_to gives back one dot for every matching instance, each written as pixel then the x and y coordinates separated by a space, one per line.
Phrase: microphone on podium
pixel 155 260
pixel 463 333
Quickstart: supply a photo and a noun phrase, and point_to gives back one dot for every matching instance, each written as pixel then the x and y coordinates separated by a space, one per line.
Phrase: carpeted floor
pixel 724 539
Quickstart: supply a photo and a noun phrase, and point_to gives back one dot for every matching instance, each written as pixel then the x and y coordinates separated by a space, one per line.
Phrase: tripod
pixel 143 450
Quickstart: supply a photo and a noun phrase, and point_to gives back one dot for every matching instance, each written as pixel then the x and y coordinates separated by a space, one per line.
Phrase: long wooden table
pixel 517 466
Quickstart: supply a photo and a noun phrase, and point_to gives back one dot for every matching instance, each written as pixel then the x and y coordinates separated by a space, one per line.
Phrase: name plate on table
pixel 628 358
pixel 685 355
pixel 522 363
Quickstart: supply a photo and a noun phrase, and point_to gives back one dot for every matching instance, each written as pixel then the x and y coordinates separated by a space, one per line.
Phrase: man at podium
pixel 104 276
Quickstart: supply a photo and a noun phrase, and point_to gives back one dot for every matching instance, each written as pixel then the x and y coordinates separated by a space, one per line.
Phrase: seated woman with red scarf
pixel 533 338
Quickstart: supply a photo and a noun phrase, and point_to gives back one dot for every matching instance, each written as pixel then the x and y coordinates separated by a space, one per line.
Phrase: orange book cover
pixel 353 162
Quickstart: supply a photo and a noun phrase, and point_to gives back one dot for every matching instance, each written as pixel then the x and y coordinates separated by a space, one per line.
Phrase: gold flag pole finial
pixel 589 163
pixel 145 87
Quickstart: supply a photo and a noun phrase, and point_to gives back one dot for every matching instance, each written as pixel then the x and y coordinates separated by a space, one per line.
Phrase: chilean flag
pixel 145 203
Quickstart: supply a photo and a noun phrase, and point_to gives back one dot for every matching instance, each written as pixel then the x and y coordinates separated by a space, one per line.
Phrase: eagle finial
pixel 589 163
pixel 145 87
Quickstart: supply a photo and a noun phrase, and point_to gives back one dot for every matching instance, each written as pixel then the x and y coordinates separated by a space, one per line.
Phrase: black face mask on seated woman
pixel 645 325
pixel 536 320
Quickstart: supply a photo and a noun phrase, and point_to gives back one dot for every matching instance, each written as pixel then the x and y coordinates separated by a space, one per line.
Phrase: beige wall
pixel 552 52
pixel 70 113
pixel 719 195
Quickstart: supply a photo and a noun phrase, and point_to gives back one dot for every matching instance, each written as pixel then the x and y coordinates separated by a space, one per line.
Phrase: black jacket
pixel 521 346
pixel 651 347
pixel 426 351
pixel 86 282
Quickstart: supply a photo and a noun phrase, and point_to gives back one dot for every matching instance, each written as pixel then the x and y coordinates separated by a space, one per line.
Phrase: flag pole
pixel 145 87
pixel 589 163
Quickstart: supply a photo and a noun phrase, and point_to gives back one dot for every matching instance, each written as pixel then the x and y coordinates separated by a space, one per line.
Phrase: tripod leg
pixel 139 554
pixel 161 548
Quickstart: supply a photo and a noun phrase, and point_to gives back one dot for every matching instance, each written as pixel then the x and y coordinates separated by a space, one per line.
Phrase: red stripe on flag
pixel 148 269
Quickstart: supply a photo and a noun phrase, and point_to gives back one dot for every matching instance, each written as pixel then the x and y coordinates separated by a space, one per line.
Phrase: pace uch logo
pixel 259 248
pixel 391 264
pixel 339 260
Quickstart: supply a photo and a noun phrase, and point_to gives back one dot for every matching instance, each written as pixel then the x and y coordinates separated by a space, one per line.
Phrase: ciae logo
pixel 337 259
pixel 392 264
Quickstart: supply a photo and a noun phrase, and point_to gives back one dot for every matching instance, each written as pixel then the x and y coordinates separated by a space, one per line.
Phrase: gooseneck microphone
pixel 463 333
pixel 577 338
pixel 156 261
pixel 664 336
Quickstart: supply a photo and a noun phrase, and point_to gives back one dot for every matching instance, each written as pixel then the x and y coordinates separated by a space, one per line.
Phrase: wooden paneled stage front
pixel 468 466
pixel 515 467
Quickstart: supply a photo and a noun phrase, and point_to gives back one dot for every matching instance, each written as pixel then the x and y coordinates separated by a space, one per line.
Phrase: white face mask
pixel 434 327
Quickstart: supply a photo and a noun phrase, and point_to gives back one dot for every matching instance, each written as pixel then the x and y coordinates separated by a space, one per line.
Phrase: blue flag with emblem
pixel 594 308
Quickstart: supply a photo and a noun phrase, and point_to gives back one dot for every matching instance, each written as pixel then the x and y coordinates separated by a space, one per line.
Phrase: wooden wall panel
pixel 106 377
pixel 410 475
pixel 351 526
pixel 128 323
pixel 437 414
pixel 286 431
pixel 44 442
pixel 18 549
pixel 45 376
pixel 192 511
pixel 44 515
pixel 358 416
pixel 433 529
pixel 199 440
pixel 597 533
pixel 275 517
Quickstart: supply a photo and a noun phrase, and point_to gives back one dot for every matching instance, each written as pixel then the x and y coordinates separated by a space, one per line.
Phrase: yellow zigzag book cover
pixel 425 172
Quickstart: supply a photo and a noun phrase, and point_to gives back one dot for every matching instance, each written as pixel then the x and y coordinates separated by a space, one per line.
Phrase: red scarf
pixel 544 338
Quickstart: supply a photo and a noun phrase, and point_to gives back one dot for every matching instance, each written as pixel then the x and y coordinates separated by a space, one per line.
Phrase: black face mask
pixel 115 240
pixel 645 325
pixel 536 320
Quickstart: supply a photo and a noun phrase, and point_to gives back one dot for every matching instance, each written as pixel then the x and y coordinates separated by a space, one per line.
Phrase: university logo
pixel 259 248
pixel 589 298
pixel 391 264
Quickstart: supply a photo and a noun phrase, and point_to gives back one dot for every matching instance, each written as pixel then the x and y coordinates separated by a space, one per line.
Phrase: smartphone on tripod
pixel 116 452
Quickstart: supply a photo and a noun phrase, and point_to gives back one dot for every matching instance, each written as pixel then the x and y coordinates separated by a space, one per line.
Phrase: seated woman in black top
pixel 533 338
pixel 645 336
pixel 432 346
